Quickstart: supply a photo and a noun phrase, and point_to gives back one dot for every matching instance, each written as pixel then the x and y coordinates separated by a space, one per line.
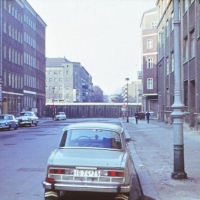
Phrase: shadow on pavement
pixel 145 198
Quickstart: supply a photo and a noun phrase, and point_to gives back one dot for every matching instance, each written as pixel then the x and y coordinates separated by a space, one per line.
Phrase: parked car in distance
pixel 27 118
pixel 91 157
pixel 61 115
pixel 8 121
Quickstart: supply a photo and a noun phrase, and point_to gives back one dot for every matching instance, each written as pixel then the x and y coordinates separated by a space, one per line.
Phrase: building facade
pixel 67 81
pixel 189 12
pixel 149 61
pixel 134 91
pixel 22 60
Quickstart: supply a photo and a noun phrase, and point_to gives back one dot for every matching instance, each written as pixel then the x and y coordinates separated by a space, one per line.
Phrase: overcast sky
pixel 103 35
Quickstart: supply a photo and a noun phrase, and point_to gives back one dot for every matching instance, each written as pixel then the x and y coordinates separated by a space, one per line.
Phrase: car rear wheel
pixel 36 123
pixel 51 195
pixel 16 127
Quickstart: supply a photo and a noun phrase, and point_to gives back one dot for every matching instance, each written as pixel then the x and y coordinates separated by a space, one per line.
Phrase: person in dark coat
pixel 136 117
pixel 147 116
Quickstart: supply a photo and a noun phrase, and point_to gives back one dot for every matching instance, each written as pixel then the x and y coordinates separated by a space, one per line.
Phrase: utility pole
pixel 127 110
pixel 177 114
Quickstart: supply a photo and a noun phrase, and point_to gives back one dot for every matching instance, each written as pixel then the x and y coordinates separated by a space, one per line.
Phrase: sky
pixel 103 35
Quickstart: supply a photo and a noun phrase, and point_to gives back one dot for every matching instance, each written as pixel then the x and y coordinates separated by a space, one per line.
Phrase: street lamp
pixel 177 114
pixel 127 114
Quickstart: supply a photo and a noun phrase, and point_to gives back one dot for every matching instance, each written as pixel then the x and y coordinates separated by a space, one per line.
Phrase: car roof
pixel 94 125
pixel 6 115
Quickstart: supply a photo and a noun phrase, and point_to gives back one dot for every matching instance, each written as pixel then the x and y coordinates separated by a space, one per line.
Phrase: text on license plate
pixel 86 173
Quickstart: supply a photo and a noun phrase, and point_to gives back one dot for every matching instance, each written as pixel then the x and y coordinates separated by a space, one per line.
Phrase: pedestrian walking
pixel 147 114
pixel 136 117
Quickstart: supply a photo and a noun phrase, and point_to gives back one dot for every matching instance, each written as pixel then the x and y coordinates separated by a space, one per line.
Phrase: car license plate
pixel 86 173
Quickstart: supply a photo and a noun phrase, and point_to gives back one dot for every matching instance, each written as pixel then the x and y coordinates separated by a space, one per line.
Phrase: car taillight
pixel 49 180
pixel 56 171
pixel 116 173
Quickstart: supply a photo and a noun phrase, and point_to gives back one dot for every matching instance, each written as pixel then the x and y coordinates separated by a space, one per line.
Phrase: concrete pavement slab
pixel 152 150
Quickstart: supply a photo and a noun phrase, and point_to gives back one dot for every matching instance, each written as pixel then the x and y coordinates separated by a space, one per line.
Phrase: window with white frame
pixel 149 63
pixel 185 5
pixel 167 28
pixel 185 49
pixel 4 4
pixel 172 60
pixel 4 52
pixel 167 65
pixel 13 80
pixel 192 43
pixel 149 83
pixel 9 79
pixel 172 21
pixel 149 44
pixel 4 26
pixel 168 97
pixel 4 81
pixel 153 24
pixel 9 54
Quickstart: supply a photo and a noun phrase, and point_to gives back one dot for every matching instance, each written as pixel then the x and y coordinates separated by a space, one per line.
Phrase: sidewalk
pixel 152 149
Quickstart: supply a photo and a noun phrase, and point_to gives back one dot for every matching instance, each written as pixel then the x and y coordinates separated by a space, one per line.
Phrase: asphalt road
pixel 23 155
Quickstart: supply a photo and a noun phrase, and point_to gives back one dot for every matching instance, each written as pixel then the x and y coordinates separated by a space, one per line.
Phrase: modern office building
pixel 189 12
pixel 67 82
pixel 22 58
pixel 149 61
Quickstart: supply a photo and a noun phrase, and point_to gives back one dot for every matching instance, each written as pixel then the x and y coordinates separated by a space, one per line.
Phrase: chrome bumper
pixel 87 188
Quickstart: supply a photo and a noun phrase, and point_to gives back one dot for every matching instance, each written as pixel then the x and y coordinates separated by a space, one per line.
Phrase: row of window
pixel 58 72
pixel 56 80
pixel 57 96
pixel 164 33
pixel 14 80
pixel 13 32
pixel 19 16
pixel 13 11
pixel 29 60
pixel 14 56
pixel 189 46
pixel 57 88
pixel 29 40
pixel 29 81
pixel 29 22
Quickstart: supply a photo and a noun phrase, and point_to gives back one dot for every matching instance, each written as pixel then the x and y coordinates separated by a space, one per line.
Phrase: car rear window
pixel 92 138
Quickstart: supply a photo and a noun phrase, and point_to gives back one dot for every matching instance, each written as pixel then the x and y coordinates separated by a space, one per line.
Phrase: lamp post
pixel 177 114
pixel 127 110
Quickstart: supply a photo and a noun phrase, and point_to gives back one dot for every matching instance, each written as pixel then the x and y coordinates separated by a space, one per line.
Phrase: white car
pixel 61 115
pixel 27 118
pixel 91 157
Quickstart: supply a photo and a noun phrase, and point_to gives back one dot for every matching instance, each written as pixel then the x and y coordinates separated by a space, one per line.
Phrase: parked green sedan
pixel 8 121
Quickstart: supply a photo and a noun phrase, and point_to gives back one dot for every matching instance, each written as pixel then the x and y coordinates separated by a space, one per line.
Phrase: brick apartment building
pixel 149 61
pixel 189 12
pixel 22 58
pixel 67 82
